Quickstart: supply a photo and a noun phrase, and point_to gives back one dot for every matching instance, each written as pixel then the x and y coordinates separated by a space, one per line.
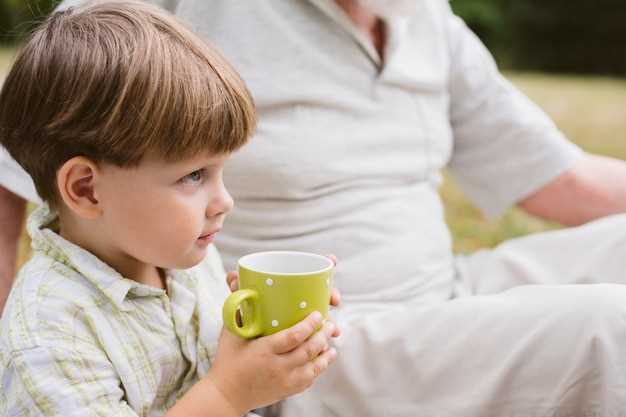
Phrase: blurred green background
pixel 572 36
pixel 568 56
pixel 19 16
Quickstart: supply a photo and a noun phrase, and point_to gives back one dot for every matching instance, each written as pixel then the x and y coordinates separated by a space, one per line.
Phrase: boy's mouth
pixel 208 237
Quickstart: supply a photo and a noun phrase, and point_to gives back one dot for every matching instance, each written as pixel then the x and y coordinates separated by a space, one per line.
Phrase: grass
pixel 591 111
pixel 6 57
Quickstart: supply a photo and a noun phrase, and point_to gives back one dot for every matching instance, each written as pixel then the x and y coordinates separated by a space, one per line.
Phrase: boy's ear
pixel 76 180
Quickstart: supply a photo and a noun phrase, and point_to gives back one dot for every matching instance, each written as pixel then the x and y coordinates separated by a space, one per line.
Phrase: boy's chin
pixel 190 261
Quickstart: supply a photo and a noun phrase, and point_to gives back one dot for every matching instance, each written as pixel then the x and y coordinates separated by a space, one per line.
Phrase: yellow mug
pixel 277 290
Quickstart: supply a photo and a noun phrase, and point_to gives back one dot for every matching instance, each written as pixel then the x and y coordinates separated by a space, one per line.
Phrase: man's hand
pixel 12 212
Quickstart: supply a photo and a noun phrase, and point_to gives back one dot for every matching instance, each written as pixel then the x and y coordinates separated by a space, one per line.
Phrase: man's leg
pixel 12 212
pixel 532 351
pixel 592 253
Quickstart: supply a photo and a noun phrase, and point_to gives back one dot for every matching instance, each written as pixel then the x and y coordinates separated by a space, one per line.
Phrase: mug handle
pixel 252 327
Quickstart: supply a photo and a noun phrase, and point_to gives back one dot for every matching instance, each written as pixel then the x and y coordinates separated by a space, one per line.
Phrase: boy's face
pixel 162 213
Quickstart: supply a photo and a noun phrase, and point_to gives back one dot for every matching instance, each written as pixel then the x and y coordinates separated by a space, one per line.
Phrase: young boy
pixel 124 120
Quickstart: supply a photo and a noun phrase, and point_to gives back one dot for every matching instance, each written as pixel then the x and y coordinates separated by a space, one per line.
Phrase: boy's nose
pixel 221 203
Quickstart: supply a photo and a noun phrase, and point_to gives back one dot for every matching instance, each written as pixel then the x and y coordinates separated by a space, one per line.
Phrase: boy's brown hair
pixel 113 81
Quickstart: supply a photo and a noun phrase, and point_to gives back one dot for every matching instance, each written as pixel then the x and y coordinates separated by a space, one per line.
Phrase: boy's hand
pixel 232 279
pixel 258 372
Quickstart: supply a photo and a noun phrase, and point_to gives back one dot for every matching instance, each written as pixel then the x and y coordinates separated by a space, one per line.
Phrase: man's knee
pixel 571 310
pixel 597 312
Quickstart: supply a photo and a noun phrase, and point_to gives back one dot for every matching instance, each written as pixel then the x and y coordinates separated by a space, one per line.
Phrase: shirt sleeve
pixel 505 147
pixel 45 381
pixel 15 179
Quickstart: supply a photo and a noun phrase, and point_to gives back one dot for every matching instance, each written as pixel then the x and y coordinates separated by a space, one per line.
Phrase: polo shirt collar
pixel 335 12
pixel 41 226
pixel 396 31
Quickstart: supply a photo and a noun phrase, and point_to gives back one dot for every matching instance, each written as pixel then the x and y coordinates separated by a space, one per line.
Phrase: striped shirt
pixel 78 339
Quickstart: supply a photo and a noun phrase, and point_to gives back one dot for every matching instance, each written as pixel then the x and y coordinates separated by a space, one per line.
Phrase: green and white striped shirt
pixel 78 339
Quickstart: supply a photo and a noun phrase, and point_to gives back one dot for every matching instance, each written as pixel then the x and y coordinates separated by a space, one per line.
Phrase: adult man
pixel 358 114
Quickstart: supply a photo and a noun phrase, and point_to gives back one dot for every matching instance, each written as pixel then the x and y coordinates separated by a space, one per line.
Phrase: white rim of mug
pixel 330 266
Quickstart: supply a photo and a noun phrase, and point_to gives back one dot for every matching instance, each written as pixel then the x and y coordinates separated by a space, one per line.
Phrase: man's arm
pixel 594 187
pixel 505 146
pixel 12 212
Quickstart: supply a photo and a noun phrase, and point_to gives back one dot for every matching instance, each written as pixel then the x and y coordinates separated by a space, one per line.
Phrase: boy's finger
pixel 311 370
pixel 332 258
pixel 289 339
pixel 335 297
pixel 232 279
pixel 227 337
pixel 313 347
pixel 321 363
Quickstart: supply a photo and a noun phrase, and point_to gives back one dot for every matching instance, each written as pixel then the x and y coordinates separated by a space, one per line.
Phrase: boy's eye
pixel 193 178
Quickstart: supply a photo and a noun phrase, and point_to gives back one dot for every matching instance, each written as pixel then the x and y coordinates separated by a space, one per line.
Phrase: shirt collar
pixel 41 228
pixel 335 12
pixel 396 30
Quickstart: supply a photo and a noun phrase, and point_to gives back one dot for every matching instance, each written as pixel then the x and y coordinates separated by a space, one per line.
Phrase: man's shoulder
pixel 46 301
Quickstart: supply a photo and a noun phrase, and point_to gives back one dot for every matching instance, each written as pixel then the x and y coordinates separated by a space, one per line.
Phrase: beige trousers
pixel 536 328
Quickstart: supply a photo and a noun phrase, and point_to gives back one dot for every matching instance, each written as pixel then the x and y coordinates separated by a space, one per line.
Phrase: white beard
pixel 389 8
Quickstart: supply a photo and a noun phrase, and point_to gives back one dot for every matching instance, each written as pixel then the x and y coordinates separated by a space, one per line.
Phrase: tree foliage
pixel 577 36
pixel 17 17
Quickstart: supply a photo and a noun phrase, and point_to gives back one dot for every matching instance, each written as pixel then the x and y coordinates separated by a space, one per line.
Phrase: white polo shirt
pixel 350 145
